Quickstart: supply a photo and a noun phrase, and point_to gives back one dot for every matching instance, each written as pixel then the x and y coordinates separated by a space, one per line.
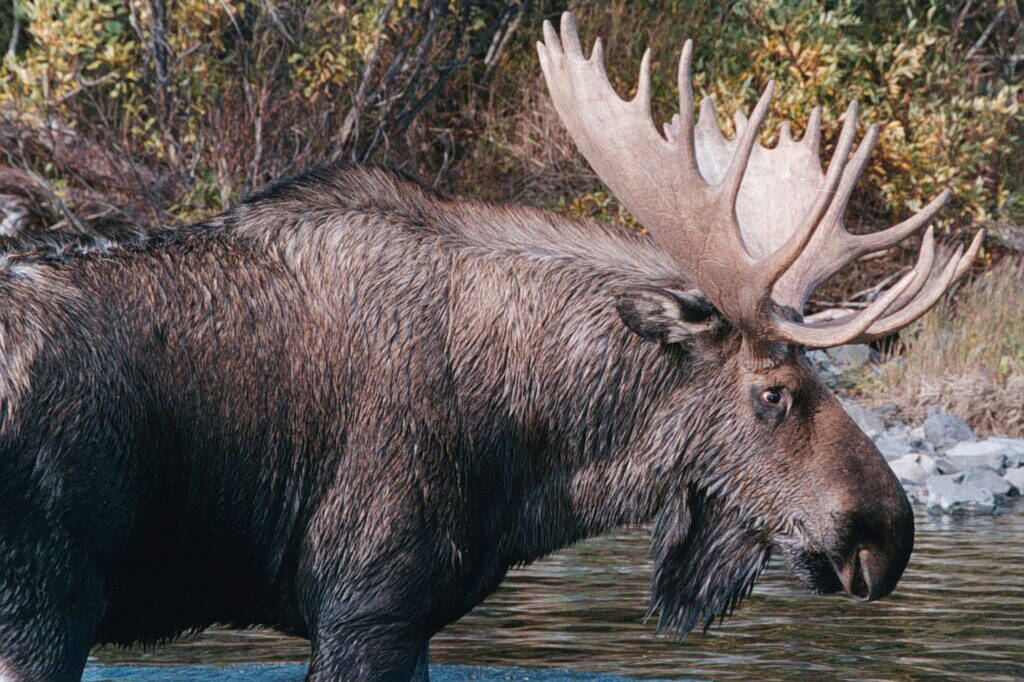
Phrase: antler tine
pixel 853 171
pixel 642 99
pixel 926 255
pixel 551 40
pixel 883 239
pixel 785 258
pixel 972 253
pixel 838 332
pixel 785 134
pixel 741 157
pixel 570 37
pixel 846 329
pixel 682 122
pixel 812 136
pixel 901 316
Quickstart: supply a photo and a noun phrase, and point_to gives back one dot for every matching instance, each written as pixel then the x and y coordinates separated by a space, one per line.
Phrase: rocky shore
pixel 941 463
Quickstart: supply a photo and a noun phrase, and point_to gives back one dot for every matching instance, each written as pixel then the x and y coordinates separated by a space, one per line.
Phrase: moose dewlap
pixel 347 406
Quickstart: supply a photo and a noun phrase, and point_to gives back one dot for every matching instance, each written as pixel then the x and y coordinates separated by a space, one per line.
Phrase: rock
pixel 944 465
pixel 985 453
pixel 819 359
pixel 891 416
pixel 1015 445
pixel 942 429
pixel 1015 477
pixel 916 493
pixel 870 422
pixel 927 463
pixel 826 369
pixel 895 427
pixel 1014 450
pixel 914 468
pixel 947 494
pixel 989 479
pixel 893 447
pixel 856 355
pixel 918 440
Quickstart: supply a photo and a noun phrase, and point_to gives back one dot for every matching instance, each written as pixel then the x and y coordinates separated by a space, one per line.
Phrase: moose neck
pixel 609 424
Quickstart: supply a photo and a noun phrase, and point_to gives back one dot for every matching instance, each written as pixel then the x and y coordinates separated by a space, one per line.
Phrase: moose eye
pixel 772 396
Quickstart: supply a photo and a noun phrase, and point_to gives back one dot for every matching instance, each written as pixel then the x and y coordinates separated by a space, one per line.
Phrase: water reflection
pixel 957 614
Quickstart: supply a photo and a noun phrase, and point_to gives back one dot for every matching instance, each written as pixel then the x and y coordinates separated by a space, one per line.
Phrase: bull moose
pixel 347 406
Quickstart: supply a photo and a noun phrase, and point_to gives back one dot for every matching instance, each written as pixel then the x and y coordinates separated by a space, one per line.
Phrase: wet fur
pixel 344 409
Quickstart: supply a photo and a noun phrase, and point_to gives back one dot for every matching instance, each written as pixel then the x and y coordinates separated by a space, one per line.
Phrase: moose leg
pixel 422 673
pixel 51 600
pixel 374 651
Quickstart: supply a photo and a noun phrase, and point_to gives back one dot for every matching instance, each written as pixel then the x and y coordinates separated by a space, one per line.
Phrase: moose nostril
pixel 856 575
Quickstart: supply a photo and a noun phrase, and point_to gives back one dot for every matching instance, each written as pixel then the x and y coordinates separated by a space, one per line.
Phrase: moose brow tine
pixel 952 271
pixel 836 333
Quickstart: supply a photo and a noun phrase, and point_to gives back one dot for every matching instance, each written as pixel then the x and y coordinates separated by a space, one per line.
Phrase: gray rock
pixel 916 493
pixel 869 421
pixel 819 359
pixel 1015 477
pixel 828 371
pixel 893 447
pixel 913 469
pixel 985 453
pixel 989 479
pixel 895 427
pixel 947 494
pixel 944 465
pixel 1015 445
pixel 1014 450
pixel 943 430
pixel 856 355
pixel 918 440
pixel 891 415
pixel 928 463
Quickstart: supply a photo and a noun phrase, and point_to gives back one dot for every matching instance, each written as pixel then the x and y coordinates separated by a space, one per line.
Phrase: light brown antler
pixel 757 229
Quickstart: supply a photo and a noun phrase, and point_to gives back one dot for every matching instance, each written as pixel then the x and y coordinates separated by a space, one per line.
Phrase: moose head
pixel 753 231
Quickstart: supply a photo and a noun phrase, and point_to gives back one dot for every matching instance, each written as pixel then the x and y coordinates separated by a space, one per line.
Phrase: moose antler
pixel 757 229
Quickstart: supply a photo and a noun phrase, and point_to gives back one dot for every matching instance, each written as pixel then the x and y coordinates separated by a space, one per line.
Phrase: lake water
pixel 958 614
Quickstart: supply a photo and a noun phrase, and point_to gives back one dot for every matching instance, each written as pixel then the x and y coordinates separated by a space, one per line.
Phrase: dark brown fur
pixel 346 407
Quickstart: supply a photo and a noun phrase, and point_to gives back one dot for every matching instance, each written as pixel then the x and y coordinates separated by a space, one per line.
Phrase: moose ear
pixel 666 315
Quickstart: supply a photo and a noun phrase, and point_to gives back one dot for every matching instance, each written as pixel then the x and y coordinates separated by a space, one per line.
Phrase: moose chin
pixel 346 407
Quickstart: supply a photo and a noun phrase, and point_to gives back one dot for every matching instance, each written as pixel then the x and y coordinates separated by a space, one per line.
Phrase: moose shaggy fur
pixel 347 406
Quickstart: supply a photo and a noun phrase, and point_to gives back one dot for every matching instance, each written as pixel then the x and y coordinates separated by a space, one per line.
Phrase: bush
pixel 150 112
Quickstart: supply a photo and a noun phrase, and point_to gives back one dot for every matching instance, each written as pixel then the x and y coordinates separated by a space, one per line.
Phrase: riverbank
pixel 942 464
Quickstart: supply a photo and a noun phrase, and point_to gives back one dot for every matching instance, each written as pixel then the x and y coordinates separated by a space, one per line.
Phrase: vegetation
pixel 119 116
pixel 965 356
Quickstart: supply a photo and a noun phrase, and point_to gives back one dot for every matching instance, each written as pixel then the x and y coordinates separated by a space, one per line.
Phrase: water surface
pixel 958 614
